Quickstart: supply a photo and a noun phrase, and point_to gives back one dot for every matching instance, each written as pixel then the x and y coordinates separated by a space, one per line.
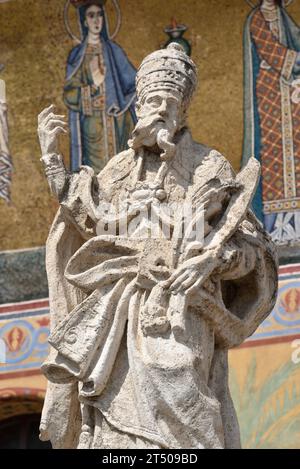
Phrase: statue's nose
pixel 163 109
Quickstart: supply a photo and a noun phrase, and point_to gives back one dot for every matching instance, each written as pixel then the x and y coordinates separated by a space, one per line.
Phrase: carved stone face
pixel 94 19
pixel 162 109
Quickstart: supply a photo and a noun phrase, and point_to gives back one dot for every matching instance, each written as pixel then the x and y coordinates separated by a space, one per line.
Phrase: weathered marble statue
pixel 141 326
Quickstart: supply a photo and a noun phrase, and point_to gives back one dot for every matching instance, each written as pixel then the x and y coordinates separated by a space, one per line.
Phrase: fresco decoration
pixel 24 328
pixel 5 157
pixel 99 89
pixel 264 377
pixel 272 116
pixel 175 31
pixel 268 406
pixel 284 320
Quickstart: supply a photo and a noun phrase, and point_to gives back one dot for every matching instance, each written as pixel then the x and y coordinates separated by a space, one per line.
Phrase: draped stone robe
pixel 136 389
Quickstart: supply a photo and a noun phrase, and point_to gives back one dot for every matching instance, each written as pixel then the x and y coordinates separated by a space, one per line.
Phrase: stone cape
pixel 153 388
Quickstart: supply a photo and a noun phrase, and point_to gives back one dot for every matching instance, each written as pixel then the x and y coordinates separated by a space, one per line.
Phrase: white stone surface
pixel 141 326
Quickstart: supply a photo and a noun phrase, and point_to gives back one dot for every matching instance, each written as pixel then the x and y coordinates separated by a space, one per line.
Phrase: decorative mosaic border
pixel 24 328
pixel 283 324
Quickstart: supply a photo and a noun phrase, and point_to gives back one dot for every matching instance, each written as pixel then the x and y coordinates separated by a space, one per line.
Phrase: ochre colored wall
pixel 34 47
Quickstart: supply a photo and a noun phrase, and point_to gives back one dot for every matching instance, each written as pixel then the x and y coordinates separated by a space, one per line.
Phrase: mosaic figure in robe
pixel 272 116
pixel 99 92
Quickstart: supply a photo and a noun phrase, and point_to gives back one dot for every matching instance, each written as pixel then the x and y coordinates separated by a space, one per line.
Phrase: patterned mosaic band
pixel 24 330
pixel 283 324
pixel 284 205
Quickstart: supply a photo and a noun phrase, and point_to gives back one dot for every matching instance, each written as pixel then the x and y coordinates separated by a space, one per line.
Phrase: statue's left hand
pixel 193 272
pixel 50 126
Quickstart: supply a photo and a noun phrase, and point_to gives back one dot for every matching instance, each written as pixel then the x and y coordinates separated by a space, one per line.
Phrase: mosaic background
pixel 34 48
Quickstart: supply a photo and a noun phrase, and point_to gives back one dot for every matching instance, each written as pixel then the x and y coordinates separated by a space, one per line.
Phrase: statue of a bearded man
pixel 143 308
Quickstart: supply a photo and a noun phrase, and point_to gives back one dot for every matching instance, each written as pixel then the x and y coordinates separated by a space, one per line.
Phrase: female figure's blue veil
pixel 119 85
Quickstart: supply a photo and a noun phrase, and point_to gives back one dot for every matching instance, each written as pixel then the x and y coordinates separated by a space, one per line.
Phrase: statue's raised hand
pixel 50 125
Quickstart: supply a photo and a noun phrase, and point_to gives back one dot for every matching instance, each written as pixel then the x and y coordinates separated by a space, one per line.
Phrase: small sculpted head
pixel 166 81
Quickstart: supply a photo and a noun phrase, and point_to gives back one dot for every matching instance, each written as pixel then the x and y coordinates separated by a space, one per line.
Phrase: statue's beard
pixel 152 132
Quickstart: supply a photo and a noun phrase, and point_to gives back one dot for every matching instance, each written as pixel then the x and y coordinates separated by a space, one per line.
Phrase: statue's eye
pixel 153 100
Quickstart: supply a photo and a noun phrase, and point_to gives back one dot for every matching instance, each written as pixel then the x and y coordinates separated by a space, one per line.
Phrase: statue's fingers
pixel 45 113
pixel 195 285
pixel 189 281
pixel 47 118
pixel 179 280
pixel 175 278
pixel 169 282
pixel 165 284
pixel 58 130
pixel 184 284
pixel 54 116
pixel 55 123
pixel 51 117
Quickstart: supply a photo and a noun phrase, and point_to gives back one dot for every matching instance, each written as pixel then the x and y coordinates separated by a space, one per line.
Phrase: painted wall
pixel 264 384
pixel 34 48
